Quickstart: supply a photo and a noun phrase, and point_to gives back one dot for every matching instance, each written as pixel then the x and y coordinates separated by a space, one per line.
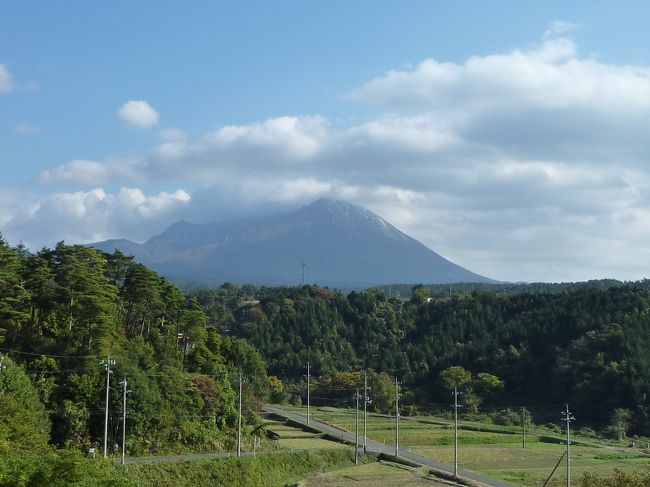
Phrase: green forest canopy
pixel 65 309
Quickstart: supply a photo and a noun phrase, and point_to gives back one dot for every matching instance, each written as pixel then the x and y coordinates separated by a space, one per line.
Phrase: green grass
pixel 496 451
pixel 371 475
pixel 293 438
pixel 309 444
pixel 261 471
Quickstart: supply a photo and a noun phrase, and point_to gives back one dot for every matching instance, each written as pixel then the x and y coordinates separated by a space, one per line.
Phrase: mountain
pixel 342 245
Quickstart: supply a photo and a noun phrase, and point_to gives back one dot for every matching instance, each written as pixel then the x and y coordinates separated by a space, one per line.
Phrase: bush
pixel 510 417
pixel 506 417
pixel 619 479
pixel 57 468
pixel 411 410
pixel 23 420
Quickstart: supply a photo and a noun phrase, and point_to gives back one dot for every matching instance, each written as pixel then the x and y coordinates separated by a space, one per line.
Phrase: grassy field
pixel 260 471
pixel 372 475
pixel 495 453
pixel 292 438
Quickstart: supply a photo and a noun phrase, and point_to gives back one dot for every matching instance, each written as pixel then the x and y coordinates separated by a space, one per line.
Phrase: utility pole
pixel 366 401
pixel 107 365
pixel 456 431
pixel 124 393
pixel 357 396
pixel 568 417
pixel 397 394
pixel 523 427
pixel 303 264
pixel 239 419
pixel 308 405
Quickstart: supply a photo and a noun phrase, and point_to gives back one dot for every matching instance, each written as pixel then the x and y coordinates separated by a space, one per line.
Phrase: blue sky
pixel 481 186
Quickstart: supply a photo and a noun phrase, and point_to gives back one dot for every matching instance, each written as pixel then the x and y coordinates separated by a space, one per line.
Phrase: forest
pixel 585 345
pixel 65 311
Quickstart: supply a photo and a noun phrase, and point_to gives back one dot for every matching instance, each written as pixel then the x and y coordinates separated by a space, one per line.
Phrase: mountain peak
pixel 343 244
pixel 338 209
pixel 332 204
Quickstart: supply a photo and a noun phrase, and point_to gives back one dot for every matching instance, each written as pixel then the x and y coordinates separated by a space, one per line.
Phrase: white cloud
pixel 173 135
pixel 559 28
pixel 138 113
pixel 418 134
pixel 88 216
pixel 288 137
pixel 550 77
pixel 6 83
pixel 27 129
pixel 76 171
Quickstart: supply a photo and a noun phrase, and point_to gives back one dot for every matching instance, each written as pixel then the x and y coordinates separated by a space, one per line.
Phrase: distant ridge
pixel 342 244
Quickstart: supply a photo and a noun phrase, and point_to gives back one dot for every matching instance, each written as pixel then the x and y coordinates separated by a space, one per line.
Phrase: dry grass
pixel 373 475
pixel 292 438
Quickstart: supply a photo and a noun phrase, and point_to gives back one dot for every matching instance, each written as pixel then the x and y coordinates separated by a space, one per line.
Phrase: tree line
pixel 586 345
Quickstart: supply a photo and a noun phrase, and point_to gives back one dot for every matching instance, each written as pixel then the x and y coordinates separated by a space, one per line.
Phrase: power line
pixel 240 381
pixel 308 377
pixel 53 372
pixel 107 365
pixel 366 401
pixel 124 393
pixel 357 396
pixel 397 394
pixel 456 431
pixel 9 350
pixel 568 417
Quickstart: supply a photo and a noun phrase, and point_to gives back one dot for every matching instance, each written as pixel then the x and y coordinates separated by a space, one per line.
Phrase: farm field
pixel 374 474
pixel 294 438
pixel 498 454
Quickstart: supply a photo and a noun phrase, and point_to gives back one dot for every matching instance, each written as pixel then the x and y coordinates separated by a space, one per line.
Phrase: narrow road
pixel 193 456
pixel 377 447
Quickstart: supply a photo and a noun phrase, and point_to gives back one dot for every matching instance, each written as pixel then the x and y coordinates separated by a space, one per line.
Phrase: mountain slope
pixel 342 244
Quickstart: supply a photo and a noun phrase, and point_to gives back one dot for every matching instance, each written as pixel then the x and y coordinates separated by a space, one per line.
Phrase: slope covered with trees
pixel 586 346
pixel 64 310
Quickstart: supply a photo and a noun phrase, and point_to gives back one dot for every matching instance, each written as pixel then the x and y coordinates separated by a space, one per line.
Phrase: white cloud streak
pixel 6 83
pixel 76 171
pixel 27 129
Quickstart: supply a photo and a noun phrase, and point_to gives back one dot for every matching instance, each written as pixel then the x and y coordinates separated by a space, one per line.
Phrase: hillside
pixel 586 347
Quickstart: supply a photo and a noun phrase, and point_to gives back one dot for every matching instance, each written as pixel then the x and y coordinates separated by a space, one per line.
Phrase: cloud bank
pixel 88 216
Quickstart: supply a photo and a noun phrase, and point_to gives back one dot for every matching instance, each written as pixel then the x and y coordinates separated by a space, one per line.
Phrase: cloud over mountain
pixel 527 164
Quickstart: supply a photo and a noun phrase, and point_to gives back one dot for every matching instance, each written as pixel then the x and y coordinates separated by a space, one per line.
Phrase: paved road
pixel 193 456
pixel 375 446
